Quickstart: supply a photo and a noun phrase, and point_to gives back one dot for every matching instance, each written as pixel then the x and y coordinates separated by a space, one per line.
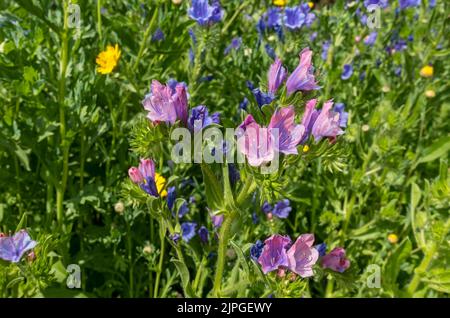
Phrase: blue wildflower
pixel 171 196
pixel 183 210
pixel 325 48
pixel 343 115
pixel 282 209
pixel 380 3
pixel 270 51
pixel 408 3
pixel 204 13
pixel 266 207
pixel 235 44
pixel 199 118
pixel 158 35
pixel 293 18
pixel 347 72
pixel 321 248
pixel 262 98
pixel 371 38
pixel 188 230
pixel 243 105
pixel 256 250
pixel 234 174
pixel 203 234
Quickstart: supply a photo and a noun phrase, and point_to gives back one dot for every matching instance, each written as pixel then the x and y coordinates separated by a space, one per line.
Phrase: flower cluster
pixel 204 13
pixel 150 181
pixel 293 18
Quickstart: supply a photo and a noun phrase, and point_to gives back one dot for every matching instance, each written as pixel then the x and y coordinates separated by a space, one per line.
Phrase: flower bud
pixel 135 175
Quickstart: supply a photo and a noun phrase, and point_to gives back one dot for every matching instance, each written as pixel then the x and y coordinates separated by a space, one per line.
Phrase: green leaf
pixel 436 150
pixel 23 157
pixel 22 223
pixel 393 264
pixel 241 258
pixel 185 279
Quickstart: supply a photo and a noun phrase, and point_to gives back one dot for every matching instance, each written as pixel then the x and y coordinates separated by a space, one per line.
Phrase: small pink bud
pixel 269 216
pixel 31 256
pixel 357 38
pixel 2 235
pixel 281 272
pixel 135 175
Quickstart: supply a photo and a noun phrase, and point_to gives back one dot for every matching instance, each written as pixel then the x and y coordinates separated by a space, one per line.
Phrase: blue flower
pixel 398 71
pixel 321 248
pixel 432 4
pixel 175 237
pixel 325 48
pixel 282 209
pixel 235 44
pixel 347 72
pixel 371 38
pixel 149 186
pixel 193 37
pixel 199 118
pixel 234 174
pixel 380 3
pixel 183 210
pixel 343 115
pixel 255 218
pixel 266 207
pixel 270 51
pixel 203 234
pixel 262 98
pixel 158 35
pixel 273 18
pixel 294 18
pixel 171 196
pixel 188 230
pixel 243 105
pixel 204 13
pixel 408 3
pixel 256 250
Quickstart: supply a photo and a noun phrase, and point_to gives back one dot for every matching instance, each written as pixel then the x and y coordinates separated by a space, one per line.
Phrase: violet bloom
pixel 293 18
pixel 282 209
pixel 171 196
pixel 302 256
pixel 12 248
pixel 408 3
pixel 256 250
pixel 262 98
pixel 243 105
pixel 325 47
pixel 158 35
pixel 188 230
pixel 175 237
pixel 371 38
pixel 235 44
pixel 432 4
pixel 347 72
pixel 398 71
pixel 343 115
pixel 204 13
pixel 274 254
pixel 270 51
pixel 302 79
pixel 380 3
pixel 336 260
pixel 144 176
pixel 183 210
pixel 233 173
pixel 266 207
pixel 286 134
pixel 309 118
pixel 200 118
pixel 327 123
pixel 321 248
pixel 273 18
pixel 309 17
pixel 164 106
pixel 276 76
pixel 203 234
pixel 217 220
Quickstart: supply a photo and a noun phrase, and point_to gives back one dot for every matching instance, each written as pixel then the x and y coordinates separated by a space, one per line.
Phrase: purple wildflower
pixel 347 72
pixel 274 254
pixel 282 209
pixel 256 250
pixel 188 230
pixel 200 118
pixel 12 248
pixel 336 260
pixel 203 234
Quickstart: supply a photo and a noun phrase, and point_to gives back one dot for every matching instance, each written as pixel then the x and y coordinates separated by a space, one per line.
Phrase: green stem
pixel 248 187
pixel 423 267
pixel 130 260
pixel 329 290
pixel 144 39
pixel 62 117
pixel 99 19
pixel 223 243
pixel 161 257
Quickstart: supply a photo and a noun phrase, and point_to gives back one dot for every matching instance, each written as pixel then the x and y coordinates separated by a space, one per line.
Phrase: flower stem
pixel 161 257
pixel 99 20
pixel 223 243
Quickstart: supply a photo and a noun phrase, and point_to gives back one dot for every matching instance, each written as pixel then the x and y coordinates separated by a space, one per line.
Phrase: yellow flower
pixel 430 93
pixel 305 148
pixel 311 4
pixel 160 184
pixel 426 71
pixel 392 238
pixel 107 60
pixel 280 3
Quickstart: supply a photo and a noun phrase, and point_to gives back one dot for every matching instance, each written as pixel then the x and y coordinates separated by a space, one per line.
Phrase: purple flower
pixel 313 36
pixel 274 254
pixel 273 18
pixel 164 106
pixel 243 105
pixel 188 230
pixel 193 37
pixel 217 220
pixel 234 174
pixel 266 207
pixel 158 35
pixel 282 209
pixel 302 79
pixel 343 115
pixel 171 196
pixel 203 234
pixel 432 4
pixel 380 3
pixel 204 13
pixel 255 218
pixel 336 260
pixel 325 48
pixel 175 237
pixel 302 256
pixel 200 118
pixel 327 123
pixel 183 210
pixel 400 45
pixel 262 98
pixel 408 3
pixel 287 134
pixel 294 18
pixel 270 51
pixel 398 71
pixel 309 118
pixel 321 248
pixel 256 250
pixel 235 44
pixel 144 176
pixel 276 76
pixel 12 248
pixel 371 38
pixel 347 72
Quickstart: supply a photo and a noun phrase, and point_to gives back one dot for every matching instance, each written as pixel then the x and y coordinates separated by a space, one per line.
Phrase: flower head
pixel 12 248
pixel 280 3
pixel 426 71
pixel 371 38
pixel 204 13
pixel 392 238
pixel 150 181
pixel 408 3
pixel 347 72
pixel 289 134
pixel 107 60
pixel 203 234
pixel 302 79
pixel 282 209
pixel 188 230
pixel 302 256
pixel 343 115
pixel 200 118
pixel 294 18
pixel 336 260
pixel 274 254
pixel 327 123
pixel 276 76
pixel 256 250
pixel 217 220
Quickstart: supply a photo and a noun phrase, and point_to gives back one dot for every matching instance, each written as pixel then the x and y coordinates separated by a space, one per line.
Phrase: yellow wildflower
pixel 311 4
pixel 280 3
pixel 430 93
pixel 305 148
pixel 426 71
pixel 160 184
pixel 107 60
pixel 392 238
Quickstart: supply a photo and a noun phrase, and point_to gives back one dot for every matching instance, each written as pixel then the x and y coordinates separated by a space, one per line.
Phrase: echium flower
pixel 273 254
pixel 327 123
pixel 165 104
pixel 336 260
pixel 147 179
pixel 276 76
pixel 302 256
pixel 204 13
pixel 403 4
pixel 302 79
pixel 293 18
pixel 199 118
pixel 12 248
pixel 380 3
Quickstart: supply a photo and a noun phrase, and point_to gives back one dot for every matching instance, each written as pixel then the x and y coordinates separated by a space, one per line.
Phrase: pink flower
pixel 302 79
pixel 147 168
pixel 135 175
pixel 336 260
pixel 327 123
pixel 163 106
pixel 276 76
pixel 302 256
pixel 289 134
pixel 274 253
